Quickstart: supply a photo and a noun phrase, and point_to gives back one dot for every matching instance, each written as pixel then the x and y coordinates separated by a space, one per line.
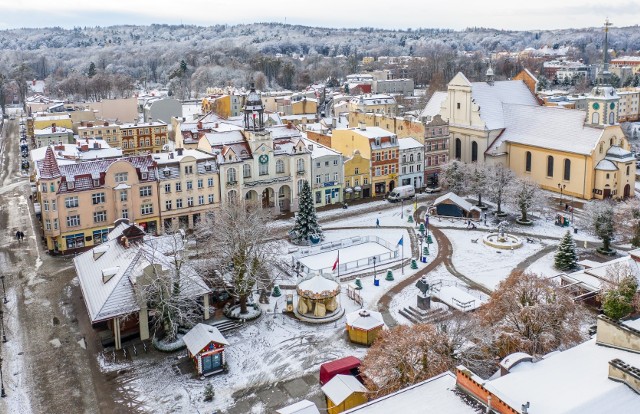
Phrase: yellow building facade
pixel 357 177
pixel 143 138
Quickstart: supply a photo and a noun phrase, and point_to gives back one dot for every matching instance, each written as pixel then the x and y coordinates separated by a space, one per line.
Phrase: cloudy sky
pixel 454 14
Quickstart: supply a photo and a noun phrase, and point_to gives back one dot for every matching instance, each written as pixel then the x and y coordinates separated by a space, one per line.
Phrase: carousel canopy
pixel 318 287
pixel 365 319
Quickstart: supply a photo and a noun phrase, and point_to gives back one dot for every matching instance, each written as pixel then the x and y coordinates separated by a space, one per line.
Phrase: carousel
pixel 318 299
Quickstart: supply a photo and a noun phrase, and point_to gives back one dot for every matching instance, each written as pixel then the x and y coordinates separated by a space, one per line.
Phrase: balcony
pixel 301 172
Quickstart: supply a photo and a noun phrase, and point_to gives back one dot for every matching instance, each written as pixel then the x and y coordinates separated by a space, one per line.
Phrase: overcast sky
pixel 454 14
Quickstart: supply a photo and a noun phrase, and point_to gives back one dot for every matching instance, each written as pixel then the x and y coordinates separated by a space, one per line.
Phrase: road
pixel 45 368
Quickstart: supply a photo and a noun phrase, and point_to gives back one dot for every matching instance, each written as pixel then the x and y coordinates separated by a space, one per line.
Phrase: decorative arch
pixel 550 166
pixel 458 153
pixel 474 151
pixel 567 169
pixel 527 161
pixel 595 118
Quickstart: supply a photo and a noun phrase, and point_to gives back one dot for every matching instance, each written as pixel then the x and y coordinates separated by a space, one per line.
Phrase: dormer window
pixel 166 172
pixel 145 175
pixel 96 183
pixel 70 185
pixel 207 167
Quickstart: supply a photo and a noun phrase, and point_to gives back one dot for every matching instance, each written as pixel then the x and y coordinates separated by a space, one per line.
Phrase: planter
pixel 606 253
pixel 524 223
pixel 233 312
pixel 501 214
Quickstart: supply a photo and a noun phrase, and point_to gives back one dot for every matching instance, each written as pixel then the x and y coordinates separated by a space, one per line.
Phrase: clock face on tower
pixel 263 159
pixel 612 105
pixel 596 106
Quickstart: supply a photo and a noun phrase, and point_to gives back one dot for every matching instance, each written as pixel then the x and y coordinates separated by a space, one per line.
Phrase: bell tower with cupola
pixel 602 102
pixel 257 136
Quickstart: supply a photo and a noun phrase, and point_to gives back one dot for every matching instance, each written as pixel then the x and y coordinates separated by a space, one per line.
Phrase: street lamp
pixel 421 238
pixel 4 292
pixel 2 393
pixel 375 274
pixel 561 187
pixel 402 211
pixel 4 336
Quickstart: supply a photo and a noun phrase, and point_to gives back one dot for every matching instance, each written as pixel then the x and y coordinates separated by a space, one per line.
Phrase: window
pixel 356 171
pixel 48 224
pixel 595 118
pixel 200 200
pixel 188 169
pixel 189 185
pixel 419 157
pixel 527 161
pixel 146 209
pixel 300 165
pixel 122 177
pixel 318 179
pixel 300 184
pixel 335 176
pixel 55 224
pixel 168 205
pixel 279 167
pixel 318 197
pixel 167 188
pixel 326 163
pixel 145 191
pixel 601 147
pixel 45 203
pixel 263 169
pixel 378 171
pixel 365 181
pixel 474 151
pixel 377 156
pixel 549 166
pixel 200 183
pixel 44 188
pixel 418 167
pixel 612 118
pixel 326 178
pixel 210 198
pixel 458 154
pixel 627 170
pixel 71 202
pixel 567 169
pixel 210 182
pixel 73 221
pixel 189 201
pixel 246 171
pixel 404 158
pixel 124 195
pixel 231 175
pixel 404 169
pixel 99 216
pixel 458 105
pixel 54 205
pixel 178 187
pixel 335 162
pixel 179 203
pixel 96 183
pixel 97 198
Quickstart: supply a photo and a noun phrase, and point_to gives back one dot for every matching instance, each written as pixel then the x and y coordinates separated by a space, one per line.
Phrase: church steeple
pixel 605 79
pixel 253 111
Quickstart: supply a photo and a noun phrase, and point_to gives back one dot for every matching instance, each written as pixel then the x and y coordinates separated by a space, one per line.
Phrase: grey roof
pixel 491 97
pixel 616 153
pixel 435 103
pixel 606 165
pixel 107 275
pixel 202 335
pixel 548 127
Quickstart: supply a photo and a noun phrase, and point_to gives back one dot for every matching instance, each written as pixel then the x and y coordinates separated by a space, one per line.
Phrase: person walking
pixel 18 235
pixel 377 222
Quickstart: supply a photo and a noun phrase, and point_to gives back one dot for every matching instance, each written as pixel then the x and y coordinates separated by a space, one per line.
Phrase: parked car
pixel 25 165
pixel 401 193
pixel 431 190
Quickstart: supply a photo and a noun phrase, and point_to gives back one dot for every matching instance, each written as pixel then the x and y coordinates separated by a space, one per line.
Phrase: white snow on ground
pixel 481 263
pixel 543 267
pixel 346 255
pixel 457 298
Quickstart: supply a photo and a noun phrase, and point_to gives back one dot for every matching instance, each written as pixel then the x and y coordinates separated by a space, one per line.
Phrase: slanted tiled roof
pixel 491 97
pixel 49 166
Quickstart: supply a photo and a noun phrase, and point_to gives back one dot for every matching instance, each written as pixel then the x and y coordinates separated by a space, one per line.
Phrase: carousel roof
pixel 318 287
pixel 365 319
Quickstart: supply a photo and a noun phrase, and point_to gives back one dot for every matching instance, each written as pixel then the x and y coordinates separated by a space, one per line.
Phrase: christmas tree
pixel 389 275
pixel 276 291
pixel 566 258
pixel 306 221
pixel 414 265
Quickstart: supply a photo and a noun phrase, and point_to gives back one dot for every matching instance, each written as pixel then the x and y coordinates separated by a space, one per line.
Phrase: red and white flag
pixel 336 263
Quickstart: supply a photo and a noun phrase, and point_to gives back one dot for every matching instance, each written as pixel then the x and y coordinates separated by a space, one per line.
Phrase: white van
pixel 401 193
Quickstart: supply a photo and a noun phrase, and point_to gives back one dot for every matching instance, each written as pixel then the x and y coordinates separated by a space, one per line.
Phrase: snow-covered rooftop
pixel 202 335
pixel 341 387
pixel 492 97
pixel 301 407
pixel 461 202
pixel 364 319
pixel 409 143
pixel 435 103
pixel 435 395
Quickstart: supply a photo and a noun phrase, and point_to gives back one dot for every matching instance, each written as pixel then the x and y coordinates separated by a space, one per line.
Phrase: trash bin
pixel 575 230
pixel 376 282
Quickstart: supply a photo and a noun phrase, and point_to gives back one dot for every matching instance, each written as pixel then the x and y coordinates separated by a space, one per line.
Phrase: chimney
pixel 96 145
pixel 84 148
pixel 199 124
pixel 334 123
pixel 33 82
pixel 179 151
pixel 106 123
pixel 310 146
pixel 53 127
pixel 214 125
pixel 124 241
pixel 90 124
pixel 362 126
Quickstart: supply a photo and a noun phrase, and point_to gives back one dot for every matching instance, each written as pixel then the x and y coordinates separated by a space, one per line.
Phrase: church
pixel 560 149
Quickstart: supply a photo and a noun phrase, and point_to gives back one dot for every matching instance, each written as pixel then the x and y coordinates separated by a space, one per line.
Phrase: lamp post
pixel 375 274
pixel 561 187
pixel 4 336
pixel 421 238
pixel 4 292
pixel 2 393
pixel 402 211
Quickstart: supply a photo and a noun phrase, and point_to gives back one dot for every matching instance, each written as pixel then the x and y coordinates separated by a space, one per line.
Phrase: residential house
pixel 357 177
pixel 80 201
pixel 436 149
pixel 161 109
pixel 143 138
pixel 378 104
pixel 41 121
pixel 411 162
pixel 189 186
pixel 403 127
pixel 327 172
pixel 110 133
pixel 52 135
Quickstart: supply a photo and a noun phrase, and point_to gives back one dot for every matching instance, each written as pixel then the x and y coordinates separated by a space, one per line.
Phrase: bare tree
pixel 239 249
pixel 530 314
pixel 453 177
pixel 405 355
pixel 498 179
pixel 600 216
pixel 523 195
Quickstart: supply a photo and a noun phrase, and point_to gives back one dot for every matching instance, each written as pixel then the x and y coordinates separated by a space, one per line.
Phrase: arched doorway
pixel 284 198
pixel 267 198
pixel 251 196
pixel 607 192
pixel 627 191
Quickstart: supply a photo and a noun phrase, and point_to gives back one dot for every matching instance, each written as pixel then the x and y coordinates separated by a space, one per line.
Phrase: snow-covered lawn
pixel 481 263
pixel 543 267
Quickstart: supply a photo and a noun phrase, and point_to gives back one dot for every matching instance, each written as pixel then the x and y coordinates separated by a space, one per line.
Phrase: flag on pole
pixel 426 220
pixel 401 241
pixel 336 263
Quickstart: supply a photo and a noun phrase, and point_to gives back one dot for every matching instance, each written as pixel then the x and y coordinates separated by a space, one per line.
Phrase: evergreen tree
pixel 92 70
pixel 566 258
pixel 306 224
pixel 618 301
